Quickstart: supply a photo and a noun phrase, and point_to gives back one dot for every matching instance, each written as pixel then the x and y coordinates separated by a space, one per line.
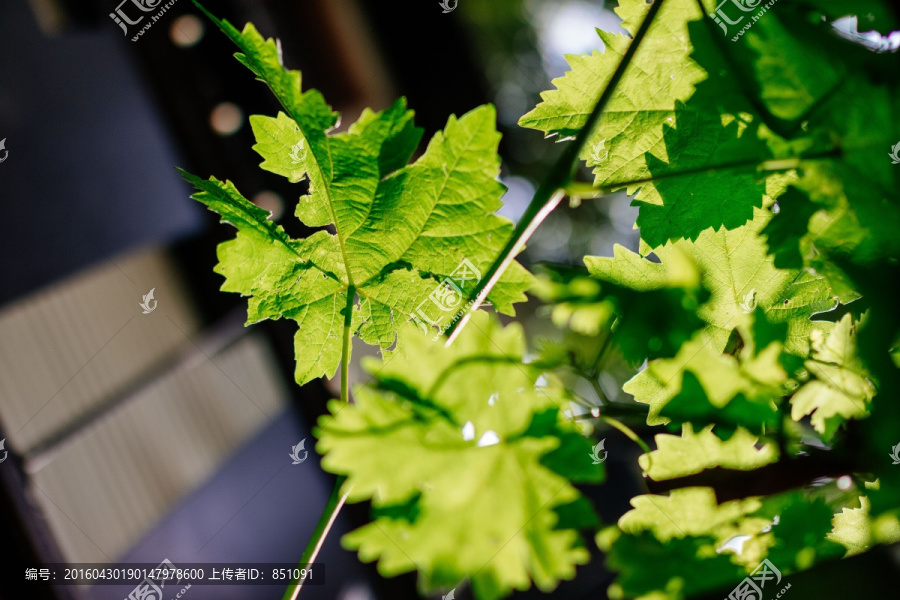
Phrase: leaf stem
pixel 326 521
pixel 585 190
pixel 346 347
pixel 552 189
pixel 336 500
pixel 628 431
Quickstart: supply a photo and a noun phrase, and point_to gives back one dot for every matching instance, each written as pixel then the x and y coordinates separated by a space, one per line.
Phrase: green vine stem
pixel 629 433
pixel 326 521
pixel 336 500
pixel 346 347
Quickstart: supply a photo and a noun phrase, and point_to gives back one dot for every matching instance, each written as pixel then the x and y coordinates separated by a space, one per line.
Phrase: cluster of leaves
pixel 499 508
pixel 761 162
pixel 481 464
pixel 767 212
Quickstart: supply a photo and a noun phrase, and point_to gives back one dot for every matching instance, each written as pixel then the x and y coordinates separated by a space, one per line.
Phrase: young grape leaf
pixel 841 389
pixel 755 412
pixel 408 240
pixel 740 276
pixel 692 512
pixel 482 458
pixel 704 386
pixel 857 531
pixel 789 530
pixel 645 323
pixel 649 569
pixel 690 453
pixel 801 533
pixel 852 528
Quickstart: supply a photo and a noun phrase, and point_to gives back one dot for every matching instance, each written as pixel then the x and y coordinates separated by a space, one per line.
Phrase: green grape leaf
pixel 695 119
pixel 692 404
pixel 785 232
pixel 484 458
pixel 645 323
pixel 691 512
pixel 846 215
pixel 841 388
pixel 649 569
pixel 852 528
pixel 408 241
pixel 846 98
pixel 779 69
pixel 704 386
pixel 800 535
pixel 789 530
pixel 690 453
pixel 759 162
pixel 738 272
pixel 643 103
pixel 654 142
